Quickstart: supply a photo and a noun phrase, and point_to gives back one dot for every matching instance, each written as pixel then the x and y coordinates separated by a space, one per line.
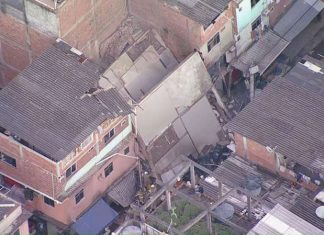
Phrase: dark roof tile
pixel 44 106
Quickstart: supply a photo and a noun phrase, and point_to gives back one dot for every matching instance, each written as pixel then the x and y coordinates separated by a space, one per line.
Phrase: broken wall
pixel 179 91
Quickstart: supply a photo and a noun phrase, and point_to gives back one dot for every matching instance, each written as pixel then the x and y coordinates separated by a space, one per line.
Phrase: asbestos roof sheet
pixel 124 191
pixel 297 18
pixel 305 209
pixel 262 53
pixel 289 115
pixel 44 106
pixel 201 11
pixel 281 221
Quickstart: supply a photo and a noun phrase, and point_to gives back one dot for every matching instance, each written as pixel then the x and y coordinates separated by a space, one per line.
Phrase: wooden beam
pixel 164 187
pixel 209 223
pixel 220 189
pixel 249 207
pixel 193 221
pixel 168 199
pixel 192 176
pixel 164 224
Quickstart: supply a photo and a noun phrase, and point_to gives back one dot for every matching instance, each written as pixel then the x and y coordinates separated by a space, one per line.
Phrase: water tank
pixel 131 230
pixel 224 211
pixel 253 185
pixel 320 212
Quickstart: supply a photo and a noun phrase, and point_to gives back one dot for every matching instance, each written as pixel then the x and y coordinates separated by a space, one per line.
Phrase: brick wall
pixel 31 168
pixel 255 153
pixel 277 10
pixel 181 34
pixel 18 46
pixel 85 24
pixel 93 188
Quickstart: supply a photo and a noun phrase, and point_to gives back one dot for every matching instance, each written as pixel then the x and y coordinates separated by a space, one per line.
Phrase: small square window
pixel 70 171
pixel 126 150
pixel 109 169
pixel 79 196
pixel 49 201
pixel 254 2
pixel 109 136
pixel 7 159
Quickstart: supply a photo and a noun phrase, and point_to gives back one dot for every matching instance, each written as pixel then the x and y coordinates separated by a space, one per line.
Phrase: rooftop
pixel 55 103
pixel 289 115
pixel 281 221
pixel 201 11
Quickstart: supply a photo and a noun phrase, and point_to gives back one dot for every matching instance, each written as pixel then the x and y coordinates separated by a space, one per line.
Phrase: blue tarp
pixel 95 219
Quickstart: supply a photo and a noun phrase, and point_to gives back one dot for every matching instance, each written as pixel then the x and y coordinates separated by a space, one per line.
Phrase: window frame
pixel 109 135
pixel 49 201
pixel 213 42
pixel 73 166
pixel 256 22
pixel 109 169
pixel 254 2
pixel 126 150
pixel 76 197
pixel 5 157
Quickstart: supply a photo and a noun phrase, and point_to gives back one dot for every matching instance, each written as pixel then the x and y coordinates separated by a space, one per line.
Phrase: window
pixel 256 23
pixel 70 171
pixel 85 143
pixel 79 196
pixel 126 150
pixel 212 42
pixel 109 135
pixel 254 2
pixel 109 169
pixel 49 201
pixel 9 160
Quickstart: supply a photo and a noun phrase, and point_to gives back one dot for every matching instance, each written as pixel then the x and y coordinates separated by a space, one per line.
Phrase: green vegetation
pixel 184 213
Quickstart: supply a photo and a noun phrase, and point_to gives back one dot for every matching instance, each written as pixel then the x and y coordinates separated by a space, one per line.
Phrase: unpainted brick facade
pixel 260 156
pixel 84 24
pixel 48 178
pixel 181 34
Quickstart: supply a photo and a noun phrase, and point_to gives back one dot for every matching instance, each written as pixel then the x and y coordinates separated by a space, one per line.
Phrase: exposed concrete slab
pixel 121 65
pixel 202 124
pixel 180 90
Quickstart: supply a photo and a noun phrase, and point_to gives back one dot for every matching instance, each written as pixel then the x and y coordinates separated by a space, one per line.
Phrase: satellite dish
pixel 224 211
pixel 320 212
pixel 253 185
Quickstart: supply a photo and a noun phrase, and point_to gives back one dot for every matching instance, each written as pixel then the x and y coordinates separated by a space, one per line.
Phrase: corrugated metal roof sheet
pixel 262 53
pixel 201 11
pixel 297 18
pixel 281 221
pixel 289 114
pixel 43 104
